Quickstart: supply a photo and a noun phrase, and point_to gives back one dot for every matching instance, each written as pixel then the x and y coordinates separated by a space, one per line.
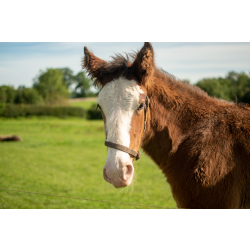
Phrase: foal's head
pixel 124 104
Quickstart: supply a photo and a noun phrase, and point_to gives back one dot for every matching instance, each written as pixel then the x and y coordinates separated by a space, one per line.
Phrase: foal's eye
pixel 141 106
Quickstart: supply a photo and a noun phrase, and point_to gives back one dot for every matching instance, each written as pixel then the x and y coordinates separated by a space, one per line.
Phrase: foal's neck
pixel 175 108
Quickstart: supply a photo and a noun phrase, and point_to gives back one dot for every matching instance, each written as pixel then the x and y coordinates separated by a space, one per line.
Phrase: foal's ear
pixel 93 65
pixel 143 65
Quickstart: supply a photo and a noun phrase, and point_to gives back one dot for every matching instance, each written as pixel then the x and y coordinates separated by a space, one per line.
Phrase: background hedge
pixel 94 114
pixel 12 110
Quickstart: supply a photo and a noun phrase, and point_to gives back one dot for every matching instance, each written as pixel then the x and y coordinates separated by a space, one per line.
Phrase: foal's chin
pixel 121 184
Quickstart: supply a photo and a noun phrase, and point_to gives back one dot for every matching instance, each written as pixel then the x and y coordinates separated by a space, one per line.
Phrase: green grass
pixel 84 104
pixel 65 157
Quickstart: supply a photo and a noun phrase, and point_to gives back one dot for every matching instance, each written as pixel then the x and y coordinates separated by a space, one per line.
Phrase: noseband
pixel 124 149
pixel 135 154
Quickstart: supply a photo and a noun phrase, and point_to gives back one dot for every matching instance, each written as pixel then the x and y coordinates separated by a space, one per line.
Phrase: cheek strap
pixel 145 112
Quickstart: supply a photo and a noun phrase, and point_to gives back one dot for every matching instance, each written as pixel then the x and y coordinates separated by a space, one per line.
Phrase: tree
pixel 219 88
pixel 68 77
pixel 50 85
pixel 240 85
pixel 27 96
pixel 7 94
pixel 83 84
pixel 235 86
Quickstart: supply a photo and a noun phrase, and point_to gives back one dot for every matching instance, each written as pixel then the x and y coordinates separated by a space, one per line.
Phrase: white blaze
pixel 119 99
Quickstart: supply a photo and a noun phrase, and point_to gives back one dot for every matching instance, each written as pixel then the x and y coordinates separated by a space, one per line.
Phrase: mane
pixel 179 84
pixel 118 67
pixel 192 90
pixel 120 64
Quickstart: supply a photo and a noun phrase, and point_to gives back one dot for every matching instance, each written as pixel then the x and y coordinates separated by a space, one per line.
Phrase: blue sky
pixel 21 62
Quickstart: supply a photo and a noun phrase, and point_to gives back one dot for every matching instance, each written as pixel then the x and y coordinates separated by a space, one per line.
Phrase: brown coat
pixel 201 144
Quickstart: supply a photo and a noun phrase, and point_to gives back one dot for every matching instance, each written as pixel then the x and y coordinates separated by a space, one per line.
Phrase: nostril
pixel 106 178
pixel 128 172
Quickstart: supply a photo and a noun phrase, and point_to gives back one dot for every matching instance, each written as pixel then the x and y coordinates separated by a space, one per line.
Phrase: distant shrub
pixel 27 96
pixel 7 94
pixel 11 110
pixel 22 110
pixel 94 114
pixel 21 95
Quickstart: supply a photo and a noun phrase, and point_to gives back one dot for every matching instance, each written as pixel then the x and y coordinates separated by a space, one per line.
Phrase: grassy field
pixel 65 157
pixel 85 104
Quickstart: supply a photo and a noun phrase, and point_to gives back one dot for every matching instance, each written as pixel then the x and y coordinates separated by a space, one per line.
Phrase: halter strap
pixel 145 112
pixel 130 151
pixel 134 153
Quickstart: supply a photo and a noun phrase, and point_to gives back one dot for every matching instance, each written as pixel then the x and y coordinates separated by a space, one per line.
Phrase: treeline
pixel 53 86
pixel 234 87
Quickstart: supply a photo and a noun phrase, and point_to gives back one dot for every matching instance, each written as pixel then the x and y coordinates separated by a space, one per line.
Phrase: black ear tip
pixel 148 45
pixel 86 50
